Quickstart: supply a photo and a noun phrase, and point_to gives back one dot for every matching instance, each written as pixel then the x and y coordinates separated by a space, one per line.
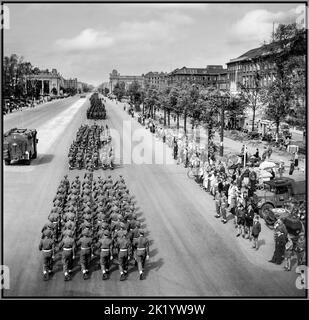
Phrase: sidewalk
pixel 234 147
pixel 266 240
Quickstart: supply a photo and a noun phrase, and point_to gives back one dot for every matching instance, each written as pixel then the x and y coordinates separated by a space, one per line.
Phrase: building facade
pixel 115 77
pixel 70 83
pixel 156 79
pixel 212 75
pixel 48 82
pixel 244 70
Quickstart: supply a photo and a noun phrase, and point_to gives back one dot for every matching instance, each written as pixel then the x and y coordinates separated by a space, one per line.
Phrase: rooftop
pixel 255 53
pixel 212 69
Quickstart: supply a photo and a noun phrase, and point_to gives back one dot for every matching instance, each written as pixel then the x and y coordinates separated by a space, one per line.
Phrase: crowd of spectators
pixel 232 182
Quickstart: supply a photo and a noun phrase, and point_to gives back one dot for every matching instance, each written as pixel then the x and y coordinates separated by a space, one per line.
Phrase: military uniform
pixel 85 242
pixel 124 247
pixel 105 245
pixel 47 247
pixel 141 252
pixel 67 246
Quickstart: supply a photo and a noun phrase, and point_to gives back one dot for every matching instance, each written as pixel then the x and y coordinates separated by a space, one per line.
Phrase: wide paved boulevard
pixel 192 253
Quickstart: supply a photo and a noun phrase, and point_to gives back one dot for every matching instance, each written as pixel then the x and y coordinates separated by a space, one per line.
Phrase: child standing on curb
pixel 256 230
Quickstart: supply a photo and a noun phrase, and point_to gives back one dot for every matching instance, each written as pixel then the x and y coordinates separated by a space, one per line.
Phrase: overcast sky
pixel 87 41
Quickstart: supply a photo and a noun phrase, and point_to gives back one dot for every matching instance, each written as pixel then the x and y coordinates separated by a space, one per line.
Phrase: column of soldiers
pixel 93 218
pixel 96 110
pixel 84 152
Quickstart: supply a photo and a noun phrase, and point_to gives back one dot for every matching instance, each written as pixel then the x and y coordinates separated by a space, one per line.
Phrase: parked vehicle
pixel 20 144
pixel 277 192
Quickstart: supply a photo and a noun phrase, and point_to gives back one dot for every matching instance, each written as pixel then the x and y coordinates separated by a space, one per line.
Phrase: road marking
pixel 50 131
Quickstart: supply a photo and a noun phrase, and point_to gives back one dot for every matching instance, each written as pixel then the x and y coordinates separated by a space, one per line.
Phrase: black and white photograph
pixel 154 150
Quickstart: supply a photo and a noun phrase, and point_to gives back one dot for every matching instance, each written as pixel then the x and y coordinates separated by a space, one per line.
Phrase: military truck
pixel 20 144
pixel 279 191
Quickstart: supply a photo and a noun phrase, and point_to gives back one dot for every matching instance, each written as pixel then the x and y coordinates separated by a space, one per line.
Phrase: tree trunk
pixel 277 126
pixel 168 118
pixel 185 121
pixel 177 121
pixel 164 110
pixel 154 113
pixel 253 117
pixel 143 109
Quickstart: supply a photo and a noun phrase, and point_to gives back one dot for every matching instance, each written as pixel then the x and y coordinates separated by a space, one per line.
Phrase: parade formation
pixel 97 109
pixel 94 217
pixel 92 148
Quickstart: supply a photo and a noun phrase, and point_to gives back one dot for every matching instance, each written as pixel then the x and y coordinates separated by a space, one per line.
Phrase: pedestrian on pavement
pixel 240 219
pixel 288 253
pixel 269 151
pixel 300 249
pixel 249 216
pixel 223 206
pixel 292 165
pixel 217 202
pixel 256 230
pixel 264 154
pixel 296 159
pixel 278 255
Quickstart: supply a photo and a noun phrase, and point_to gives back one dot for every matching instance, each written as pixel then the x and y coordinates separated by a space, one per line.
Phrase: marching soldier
pixel 85 243
pixel 68 246
pixel 141 252
pixel 124 252
pixel 105 244
pixel 47 247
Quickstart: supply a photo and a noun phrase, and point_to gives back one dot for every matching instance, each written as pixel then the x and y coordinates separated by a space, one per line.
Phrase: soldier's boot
pixel 45 276
pixel 67 277
pixel 85 274
pixel 122 277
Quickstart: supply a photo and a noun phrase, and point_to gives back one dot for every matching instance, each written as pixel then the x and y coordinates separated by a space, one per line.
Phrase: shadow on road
pixel 43 159
pixel 153 265
pixel 261 243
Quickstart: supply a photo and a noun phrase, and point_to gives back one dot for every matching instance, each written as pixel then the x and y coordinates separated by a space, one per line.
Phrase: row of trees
pixel 14 82
pixel 14 71
pixel 283 99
